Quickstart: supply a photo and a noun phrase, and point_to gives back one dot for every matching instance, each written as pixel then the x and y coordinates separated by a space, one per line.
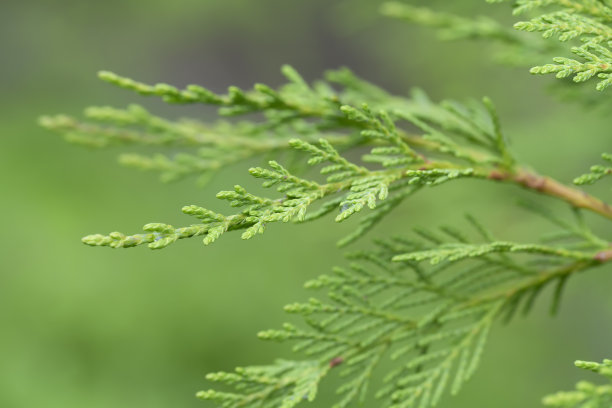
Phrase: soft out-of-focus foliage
pixel 586 394
pixel 597 172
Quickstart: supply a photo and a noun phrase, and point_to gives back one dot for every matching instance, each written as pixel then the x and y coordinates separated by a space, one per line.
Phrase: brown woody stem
pixel 551 187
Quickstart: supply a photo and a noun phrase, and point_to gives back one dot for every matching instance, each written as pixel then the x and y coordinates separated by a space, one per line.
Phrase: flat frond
pixel 428 322
pixel 583 28
pixel 454 140
pixel 588 22
pixel 282 385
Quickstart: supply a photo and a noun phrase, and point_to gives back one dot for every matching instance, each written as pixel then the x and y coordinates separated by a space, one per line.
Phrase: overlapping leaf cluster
pixel 421 326
pixel 451 141
pixel 585 21
pixel 583 27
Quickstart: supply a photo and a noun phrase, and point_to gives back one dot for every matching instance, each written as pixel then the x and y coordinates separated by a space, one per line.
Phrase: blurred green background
pixel 86 327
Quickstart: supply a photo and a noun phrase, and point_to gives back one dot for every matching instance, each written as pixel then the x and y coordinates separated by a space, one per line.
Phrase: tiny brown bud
pixel 335 362
pixel 603 256
pixel 496 175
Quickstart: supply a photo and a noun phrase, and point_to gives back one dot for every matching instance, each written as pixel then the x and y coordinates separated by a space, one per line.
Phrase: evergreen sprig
pixel 511 47
pixel 422 328
pixel 586 394
pixel 416 311
pixel 282 385
pixel 450 26
pixel 456 141
pixel 597 172
pixel 586 23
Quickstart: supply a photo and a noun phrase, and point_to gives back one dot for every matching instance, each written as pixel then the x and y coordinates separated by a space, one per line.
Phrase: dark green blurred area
pixel 86 327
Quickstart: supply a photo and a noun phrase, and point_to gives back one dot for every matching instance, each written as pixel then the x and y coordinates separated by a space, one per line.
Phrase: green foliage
pixel 390 315
pixel 414 312
pixel 284 384
pixel 597 172
pixel 586 394
pixel 585 23
pixel 455 141
pixel 451 27
pixel 510 46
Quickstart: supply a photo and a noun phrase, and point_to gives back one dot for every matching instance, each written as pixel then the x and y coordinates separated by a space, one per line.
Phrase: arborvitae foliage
pixel 457 141
pixel 583 28
pixel 597 172
pixel 586 394
pixel 414 311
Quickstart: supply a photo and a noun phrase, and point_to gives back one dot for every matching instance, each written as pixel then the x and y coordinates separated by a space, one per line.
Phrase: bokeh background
pixel 94 327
